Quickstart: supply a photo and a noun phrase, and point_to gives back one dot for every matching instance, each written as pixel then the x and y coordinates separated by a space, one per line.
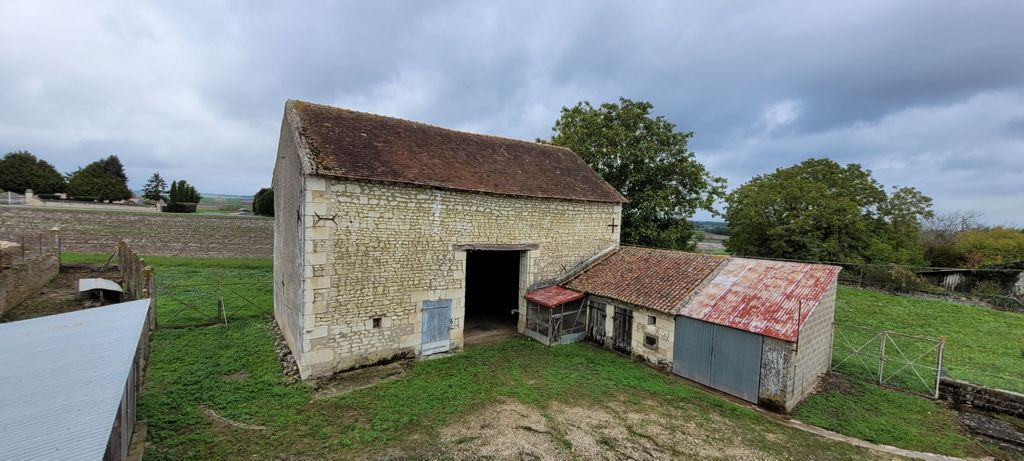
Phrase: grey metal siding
pixel 692 353
pixel 718 356
pixel 437 320
pixel 736 362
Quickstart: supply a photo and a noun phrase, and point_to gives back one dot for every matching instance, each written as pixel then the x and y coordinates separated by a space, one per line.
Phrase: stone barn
pixel 394 238
pixel 760 330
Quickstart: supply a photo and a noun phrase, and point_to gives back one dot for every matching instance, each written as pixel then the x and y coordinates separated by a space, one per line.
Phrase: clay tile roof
pixel 761 296
pixel 356 145
pixel 656 279
pixel 552 296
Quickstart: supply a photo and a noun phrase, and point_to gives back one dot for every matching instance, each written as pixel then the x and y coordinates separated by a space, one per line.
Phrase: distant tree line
pixel 103 180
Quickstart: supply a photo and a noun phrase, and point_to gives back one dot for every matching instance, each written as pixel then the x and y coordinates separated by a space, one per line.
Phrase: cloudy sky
pixel 923 93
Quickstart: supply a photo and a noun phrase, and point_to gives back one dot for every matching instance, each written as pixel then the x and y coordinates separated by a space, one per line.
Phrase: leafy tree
pixel 647 160
pixel 182 198
pixel 154 188
pixel 819 210
pixel 996 245
pixel 21 170
pixel 263 202
pixel 100 180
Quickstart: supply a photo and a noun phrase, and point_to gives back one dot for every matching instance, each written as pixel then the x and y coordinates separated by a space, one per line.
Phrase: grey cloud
pixel 923 93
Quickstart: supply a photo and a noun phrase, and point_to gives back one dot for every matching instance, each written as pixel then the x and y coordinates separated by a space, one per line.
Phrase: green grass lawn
pixel 884 416
pixel 983 345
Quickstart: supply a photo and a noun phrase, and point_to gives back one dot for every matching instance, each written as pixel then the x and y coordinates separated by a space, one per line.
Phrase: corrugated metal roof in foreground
pixel 762 296
pixel 62 378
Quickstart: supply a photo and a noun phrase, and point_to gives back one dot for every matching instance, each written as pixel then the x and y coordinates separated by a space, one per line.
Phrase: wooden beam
pixel 496 247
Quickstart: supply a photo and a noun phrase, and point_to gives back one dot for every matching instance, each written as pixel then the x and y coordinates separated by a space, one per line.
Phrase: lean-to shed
pixel 69 383
pixel 555 315
pixel 760 330
pixel 633 294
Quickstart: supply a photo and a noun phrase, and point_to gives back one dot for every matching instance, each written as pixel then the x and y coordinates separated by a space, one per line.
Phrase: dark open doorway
pixel 492 294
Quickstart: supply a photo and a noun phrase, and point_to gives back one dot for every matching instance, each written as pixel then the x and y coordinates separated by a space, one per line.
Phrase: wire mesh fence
pixel 910 363
pixel 19 248
pixel 191 297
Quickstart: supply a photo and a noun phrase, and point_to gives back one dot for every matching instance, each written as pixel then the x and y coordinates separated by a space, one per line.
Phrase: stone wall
pixel 790 371
pixel 20 281
pixel 289 206
pixel 663 328
pixel 814 348
pixel 994 400
pixel 378 250
pixel 148 233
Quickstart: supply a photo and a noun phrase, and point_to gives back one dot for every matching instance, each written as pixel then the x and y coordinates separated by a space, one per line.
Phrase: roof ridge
pixel 432 126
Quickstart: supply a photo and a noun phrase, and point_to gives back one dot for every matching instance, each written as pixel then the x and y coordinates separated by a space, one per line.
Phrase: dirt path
pixel 619 431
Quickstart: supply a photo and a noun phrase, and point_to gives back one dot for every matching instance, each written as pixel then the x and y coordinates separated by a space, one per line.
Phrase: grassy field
pixel 884 416
pixel 983 346
pixel 232 370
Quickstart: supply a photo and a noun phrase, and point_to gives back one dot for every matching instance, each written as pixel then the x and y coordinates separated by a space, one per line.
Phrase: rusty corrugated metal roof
pixel 653 278
pixel 356 145
pixel 762 296
pixel 552 296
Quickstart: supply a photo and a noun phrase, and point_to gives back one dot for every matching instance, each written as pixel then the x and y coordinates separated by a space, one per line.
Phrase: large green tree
pixel 647 160
pixel 822 211
pixel 102 180
pixel 21 170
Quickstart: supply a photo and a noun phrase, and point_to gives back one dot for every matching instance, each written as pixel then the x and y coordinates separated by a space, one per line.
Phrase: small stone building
pixel 757 329
pixel 394 238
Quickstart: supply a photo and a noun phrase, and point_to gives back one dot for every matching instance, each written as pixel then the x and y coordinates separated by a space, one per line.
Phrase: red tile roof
pixel 656 279
pixel 762 296
pixel 552 296
pixel 356 145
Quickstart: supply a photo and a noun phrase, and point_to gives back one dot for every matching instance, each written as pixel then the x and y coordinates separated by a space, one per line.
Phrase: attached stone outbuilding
pixel 757 329
pixel 394 238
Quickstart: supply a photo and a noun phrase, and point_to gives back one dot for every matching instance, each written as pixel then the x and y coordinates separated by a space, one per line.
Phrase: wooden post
pixel 881 357
pixel 220 309
pixel 938 371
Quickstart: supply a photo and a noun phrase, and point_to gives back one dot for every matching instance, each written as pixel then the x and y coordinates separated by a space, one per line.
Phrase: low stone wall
pixel 21 281
pixel 148 233
pixel 994 400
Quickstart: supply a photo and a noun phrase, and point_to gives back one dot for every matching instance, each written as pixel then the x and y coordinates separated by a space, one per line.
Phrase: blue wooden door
pixel 437 321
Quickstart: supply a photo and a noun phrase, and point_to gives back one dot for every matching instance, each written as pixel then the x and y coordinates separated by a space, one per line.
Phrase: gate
pixel 717 356
pixel 622 329
pixel 595 322
pixel 437 325
pixel 911 363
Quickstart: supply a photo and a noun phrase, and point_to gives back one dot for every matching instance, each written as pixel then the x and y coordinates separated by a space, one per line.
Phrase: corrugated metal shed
pixel 62 380
pixel 761 296
pixel 552 296
pixel 653 278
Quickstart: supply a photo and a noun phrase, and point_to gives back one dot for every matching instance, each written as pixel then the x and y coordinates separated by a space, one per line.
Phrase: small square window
pixel 650 341
pixel 652 320
pixel 376 322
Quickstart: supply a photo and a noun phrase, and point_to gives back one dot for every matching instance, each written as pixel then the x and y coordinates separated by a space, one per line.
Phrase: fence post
pixel 938 371
pixel 881 357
